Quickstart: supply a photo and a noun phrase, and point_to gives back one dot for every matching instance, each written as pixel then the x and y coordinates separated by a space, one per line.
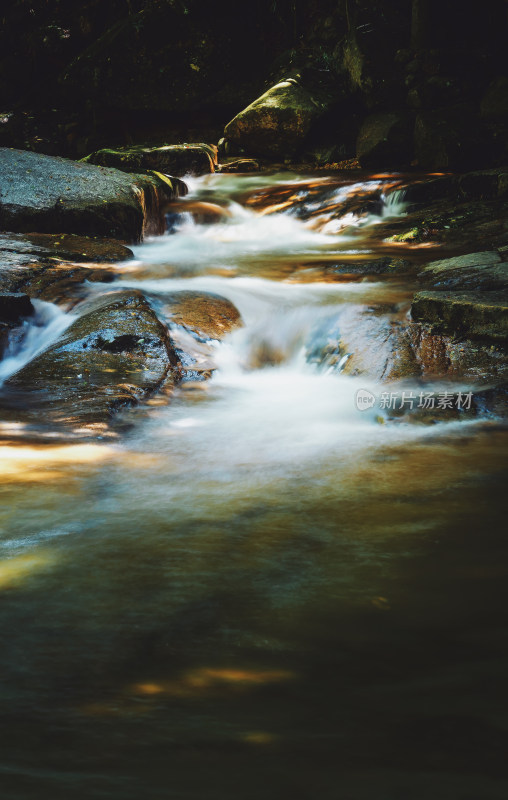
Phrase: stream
pixel 260 589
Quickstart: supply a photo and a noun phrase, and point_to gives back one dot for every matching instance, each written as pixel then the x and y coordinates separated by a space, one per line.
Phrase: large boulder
pixel 115 354
pixel 174 159
pixel 276 124
pixel 385 141
pixel 54 195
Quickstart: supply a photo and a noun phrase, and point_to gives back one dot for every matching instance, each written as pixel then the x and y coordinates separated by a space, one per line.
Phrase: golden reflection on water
pixel 201 682
pixel 14 571
pixel 210 679
pixel 41 462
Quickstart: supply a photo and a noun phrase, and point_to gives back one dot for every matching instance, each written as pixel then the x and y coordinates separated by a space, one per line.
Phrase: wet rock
pixel 240 165
pixel 426 191
pixel 194 320
pixel 275 125
pixel 467 314
pixel 65 247
pixel 373 266
pixel 14 306
pixel 49 194
pixel 385 141
pixel 368 341
pixel 208 315
pixel 487 270
pixel 442 355
pixel 115 354
pixel 53 267
pixel 175 159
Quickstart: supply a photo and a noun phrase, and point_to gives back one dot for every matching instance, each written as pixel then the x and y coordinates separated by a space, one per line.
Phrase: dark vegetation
pixel 77 77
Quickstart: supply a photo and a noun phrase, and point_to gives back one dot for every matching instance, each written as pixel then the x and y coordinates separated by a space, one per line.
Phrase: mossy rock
pixel 276 124
pixel 175 159
pixel 466 314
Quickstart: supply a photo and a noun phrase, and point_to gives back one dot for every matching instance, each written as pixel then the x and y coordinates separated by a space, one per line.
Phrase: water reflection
pixel 258 591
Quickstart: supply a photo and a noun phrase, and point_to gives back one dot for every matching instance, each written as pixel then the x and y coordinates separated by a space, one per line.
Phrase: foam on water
pixel 38 333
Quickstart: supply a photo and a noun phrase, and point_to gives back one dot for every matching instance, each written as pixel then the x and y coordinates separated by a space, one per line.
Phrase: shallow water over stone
pixel 258 590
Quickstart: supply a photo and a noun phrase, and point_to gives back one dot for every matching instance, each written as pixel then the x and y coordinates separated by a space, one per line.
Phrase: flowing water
pixel 259 590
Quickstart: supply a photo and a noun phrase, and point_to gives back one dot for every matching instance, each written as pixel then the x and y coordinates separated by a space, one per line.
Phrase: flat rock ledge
pixel 468 314
pixel 54 267
pixel 55 195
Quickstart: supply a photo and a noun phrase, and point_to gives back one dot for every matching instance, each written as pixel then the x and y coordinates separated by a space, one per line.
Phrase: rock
pixel 484 184
pixel 14 306
pixel 355 265
pixel 49 194
pixel 64 247
pixel 486 270
pixel 195 320
pixel 274 125
pixel 240 165
pixel 176 159
pixel 494 105
pixel 115 354
pixel 442 355
pixel 368 341
pixel 53 267
pixel 427 191
pixel 450 139
pixel 385 141
pixel 465 314
pixel 207 315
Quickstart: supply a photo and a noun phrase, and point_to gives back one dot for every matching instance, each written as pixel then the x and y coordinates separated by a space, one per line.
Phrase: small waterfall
pixel 394 203
pixel 36 334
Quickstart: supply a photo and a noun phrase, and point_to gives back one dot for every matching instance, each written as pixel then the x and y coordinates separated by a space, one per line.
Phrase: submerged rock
pixel 55 195
pixel 274 125
pixel 175 159
pixel 115 354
